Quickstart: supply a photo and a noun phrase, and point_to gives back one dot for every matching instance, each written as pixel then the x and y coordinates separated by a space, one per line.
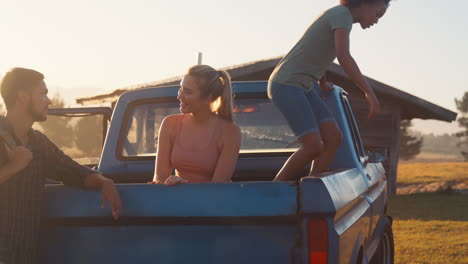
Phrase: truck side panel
pixel 171 243
pixel 200 223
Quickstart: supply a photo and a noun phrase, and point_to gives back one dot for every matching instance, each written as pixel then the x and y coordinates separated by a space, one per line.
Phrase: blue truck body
pixel 249 220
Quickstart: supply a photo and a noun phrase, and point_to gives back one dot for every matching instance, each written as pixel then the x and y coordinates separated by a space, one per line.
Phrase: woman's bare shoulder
pixel 170 120
pixel 229 128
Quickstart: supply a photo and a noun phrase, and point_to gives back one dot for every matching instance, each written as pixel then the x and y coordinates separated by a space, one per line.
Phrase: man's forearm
pixel 95 181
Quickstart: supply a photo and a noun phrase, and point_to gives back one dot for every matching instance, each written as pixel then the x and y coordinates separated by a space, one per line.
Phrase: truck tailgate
pixel 253 222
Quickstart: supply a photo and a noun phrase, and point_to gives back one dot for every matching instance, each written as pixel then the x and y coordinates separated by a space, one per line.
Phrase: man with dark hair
pixel 27 158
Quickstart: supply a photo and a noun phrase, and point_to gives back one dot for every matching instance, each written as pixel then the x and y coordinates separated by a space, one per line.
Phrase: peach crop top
pixel 195 166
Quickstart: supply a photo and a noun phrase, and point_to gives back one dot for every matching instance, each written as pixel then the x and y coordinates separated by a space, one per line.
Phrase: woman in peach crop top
pixel 202 142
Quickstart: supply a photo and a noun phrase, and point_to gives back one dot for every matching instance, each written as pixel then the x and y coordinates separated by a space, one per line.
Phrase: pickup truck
pixel 337 217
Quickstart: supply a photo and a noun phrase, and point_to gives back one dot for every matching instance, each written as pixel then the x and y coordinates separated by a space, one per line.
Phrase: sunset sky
pixel 90 47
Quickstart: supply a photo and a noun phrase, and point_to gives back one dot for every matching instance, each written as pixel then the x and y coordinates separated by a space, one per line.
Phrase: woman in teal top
pixel 291 84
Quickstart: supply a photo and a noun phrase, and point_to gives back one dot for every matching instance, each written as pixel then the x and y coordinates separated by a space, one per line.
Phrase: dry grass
pixel 430 228
pixel 412 173
pixel 430 242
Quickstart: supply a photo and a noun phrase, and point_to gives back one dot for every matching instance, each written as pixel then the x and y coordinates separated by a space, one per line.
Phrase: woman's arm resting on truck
pixel 162 166
pixel 350 66
pixel 231 138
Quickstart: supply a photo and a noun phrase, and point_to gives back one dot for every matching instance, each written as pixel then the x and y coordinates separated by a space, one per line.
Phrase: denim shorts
pixel 303 109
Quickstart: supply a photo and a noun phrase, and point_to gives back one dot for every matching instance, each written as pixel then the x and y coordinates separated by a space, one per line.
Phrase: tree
pixel 58 128
pixel 88 131
pixel 410 146
pixel 462 106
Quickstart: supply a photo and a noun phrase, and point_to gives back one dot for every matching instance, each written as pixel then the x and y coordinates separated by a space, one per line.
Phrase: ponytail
pixel 216 84
pixel 225 107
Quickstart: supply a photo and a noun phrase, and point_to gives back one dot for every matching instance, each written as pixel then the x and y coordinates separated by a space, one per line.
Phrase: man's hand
pixel 110 194
pixel 174 179
pixel 374 105
pixel 18 158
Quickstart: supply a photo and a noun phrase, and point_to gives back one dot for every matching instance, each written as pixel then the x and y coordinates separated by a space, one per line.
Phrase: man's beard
pixel 37 116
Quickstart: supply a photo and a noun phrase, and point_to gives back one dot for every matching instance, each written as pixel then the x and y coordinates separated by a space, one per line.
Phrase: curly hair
pixel 358 3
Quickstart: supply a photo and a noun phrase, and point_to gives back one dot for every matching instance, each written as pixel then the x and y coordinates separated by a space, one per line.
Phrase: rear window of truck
pixel 263 127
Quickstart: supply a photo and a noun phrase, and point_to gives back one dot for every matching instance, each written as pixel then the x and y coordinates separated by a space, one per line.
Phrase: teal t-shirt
pixel 315 51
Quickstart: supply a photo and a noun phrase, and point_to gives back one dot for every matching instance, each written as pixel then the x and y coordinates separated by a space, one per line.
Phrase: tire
pixel 385 252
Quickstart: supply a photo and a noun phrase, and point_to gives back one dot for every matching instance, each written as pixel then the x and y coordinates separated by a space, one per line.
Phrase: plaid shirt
pixel 21 196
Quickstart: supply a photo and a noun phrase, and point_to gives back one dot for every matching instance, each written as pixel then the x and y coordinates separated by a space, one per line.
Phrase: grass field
pixel 411 173
pixel 430 228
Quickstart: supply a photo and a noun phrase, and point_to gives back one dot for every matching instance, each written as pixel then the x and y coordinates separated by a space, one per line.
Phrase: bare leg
pixel 311 147
pixel 332 137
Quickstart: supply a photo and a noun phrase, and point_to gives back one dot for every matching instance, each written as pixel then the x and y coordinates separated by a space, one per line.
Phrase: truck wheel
pixel 385 251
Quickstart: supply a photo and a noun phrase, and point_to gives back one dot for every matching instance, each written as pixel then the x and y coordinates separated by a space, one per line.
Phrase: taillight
pixel 318 241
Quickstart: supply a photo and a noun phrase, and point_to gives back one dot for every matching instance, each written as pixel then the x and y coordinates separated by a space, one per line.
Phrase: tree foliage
pixel 410 145
pixel 462 106
pixel 57 128
pixel 88 131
